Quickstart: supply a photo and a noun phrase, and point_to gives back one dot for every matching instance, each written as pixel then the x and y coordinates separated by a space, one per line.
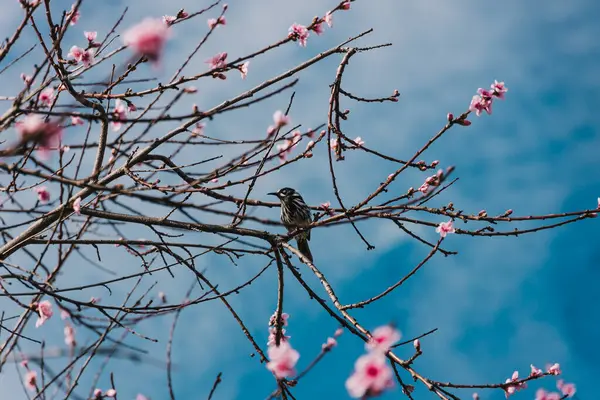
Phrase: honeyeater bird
pixel 295 213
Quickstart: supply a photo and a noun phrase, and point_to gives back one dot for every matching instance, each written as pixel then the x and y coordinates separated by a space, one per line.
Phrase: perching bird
pixel 295 213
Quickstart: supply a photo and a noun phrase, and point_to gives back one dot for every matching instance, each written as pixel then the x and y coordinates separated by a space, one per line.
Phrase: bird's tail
pixel 304 248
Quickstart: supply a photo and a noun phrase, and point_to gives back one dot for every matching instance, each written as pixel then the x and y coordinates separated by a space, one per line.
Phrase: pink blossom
pixel 535 371
pixel 44 309
pixel 331 343
pixel 88 57
pixel 284 319
pixel 69 336
pixel 110 393
pixel 383 338
pixel 475 396
pixel 334 143
pixel 463 122
pixel 76 52
pixel 417 345
pixel 479 104
pixel 214 22
pixel 141 397
pixel 329 19
pixel 169 19
pixel 498 89
pixel 148 38
pixel 542 394
pixel 47 97
pixel 338 332
pixel 77 206
pixel 283 360
pixel 273 336
pixel 371 376
pixel 90 36
pixel 299 32
pixel 26 78
pixel 198 129
pixel 31 380
pixel 46 134
pixel 75 120
pixel 345 5
pixel 217 61
pixel 359 142
pixel 318 28
pixel 75 15
pixel 119 113
pixel 244 69
pixel 516 387
pixel 64 315
pixel 567 389
pixel 310 145
pixel 280 120
pixel 43 194
pixel 554 369
pixel 598 204
pixel 445 228
pixel 97 394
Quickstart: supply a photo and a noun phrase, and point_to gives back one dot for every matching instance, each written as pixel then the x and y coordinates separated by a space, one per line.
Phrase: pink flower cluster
pixel 218 61
pixel 483 101
pixel 298 33
pixel 288 145
pixel 44 310
pixel 283 358
pixel 46 134
pixel 83 56
pixel 214 22
pixel 110 393
pixel 120 113
pixel 433 180
pixel 280 120
pixel 566 389
pixel 148 38
pixel 372 374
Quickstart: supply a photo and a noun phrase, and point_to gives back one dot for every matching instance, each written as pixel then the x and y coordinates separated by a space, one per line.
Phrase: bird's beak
pixel 273 194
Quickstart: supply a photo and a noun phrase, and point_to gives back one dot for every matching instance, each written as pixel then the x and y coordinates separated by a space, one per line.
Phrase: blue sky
pixel 500 304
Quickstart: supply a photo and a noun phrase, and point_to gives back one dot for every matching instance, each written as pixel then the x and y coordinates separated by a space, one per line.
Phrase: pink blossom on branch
pixel 74 15
pixel 244 69
pixel 554 369
pixel 47 97
pixel 214 22
pixel 77 206
pixel 46 135
pixel 148 38
pixel 90 36
pixel 43 194
pixel 542 394
pixel 217 61
pixel 280 120
pixel 329 19
pixel 119 113
pixel 567 389
pixel 383 338
pixel 445 228
pixel 70 336
pixel 31 380
pixel 372 375
pixel 283 359
pixel 44 309
pixel 298 32
pixel 76 120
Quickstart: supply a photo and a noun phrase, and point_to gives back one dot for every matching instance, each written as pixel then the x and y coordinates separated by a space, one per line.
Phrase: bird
pixel 294 214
